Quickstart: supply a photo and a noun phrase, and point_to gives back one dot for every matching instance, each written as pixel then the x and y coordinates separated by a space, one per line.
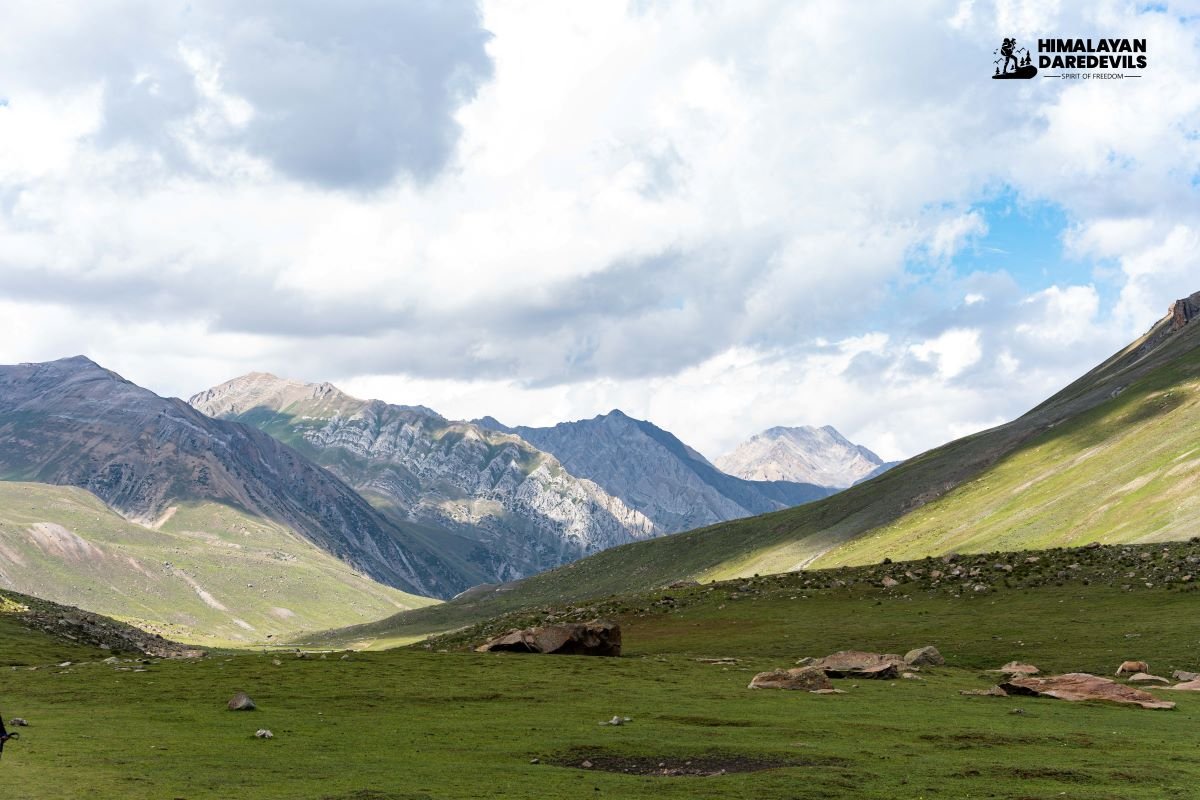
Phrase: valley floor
pixel 410 724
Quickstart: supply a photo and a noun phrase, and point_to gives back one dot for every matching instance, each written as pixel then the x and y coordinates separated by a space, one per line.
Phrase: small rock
pixel 1017 711
pixel 889 582
pixel 994 691
pixel 241 702
pixel 586 765
pixel 614 721
pixel 65 664
pixel 263 733
pixel 19 722
pixel 911 676
pixel 1184 675
pixel 535 761
pixel 924 657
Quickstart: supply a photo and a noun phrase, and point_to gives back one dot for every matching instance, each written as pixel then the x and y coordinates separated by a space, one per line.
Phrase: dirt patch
pixel 706 765
pixel 710 722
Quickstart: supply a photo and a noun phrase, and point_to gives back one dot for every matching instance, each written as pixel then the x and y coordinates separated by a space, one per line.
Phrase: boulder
pixel 1184 675
pixel 1142 677
pixel 889 582
pixel 264 733
pixel 241 702
pixel 1186 686
pixel 807 679
pixel 924 657
pixel 1079 686
pixel 1017 668
pixel 595 638
pixel 858 664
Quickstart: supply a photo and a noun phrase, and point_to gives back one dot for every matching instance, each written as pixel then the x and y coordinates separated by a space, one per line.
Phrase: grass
pixel 208 574
pixel 416 723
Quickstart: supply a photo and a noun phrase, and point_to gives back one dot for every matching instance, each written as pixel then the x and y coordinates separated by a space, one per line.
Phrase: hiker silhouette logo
pixel 1013 62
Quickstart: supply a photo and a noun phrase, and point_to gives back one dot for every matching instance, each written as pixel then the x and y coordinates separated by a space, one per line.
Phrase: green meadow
pixel 419 723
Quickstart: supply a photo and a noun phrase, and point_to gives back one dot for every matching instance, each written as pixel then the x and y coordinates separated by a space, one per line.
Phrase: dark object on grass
pixel 5 735
pixel 241 702
pixel 596 638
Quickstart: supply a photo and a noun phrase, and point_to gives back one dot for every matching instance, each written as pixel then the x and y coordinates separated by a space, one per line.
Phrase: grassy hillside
pixel 1113 457
pixel 411 723
pixel 207 573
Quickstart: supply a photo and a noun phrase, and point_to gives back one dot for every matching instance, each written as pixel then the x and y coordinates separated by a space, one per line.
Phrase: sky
pixel 719 216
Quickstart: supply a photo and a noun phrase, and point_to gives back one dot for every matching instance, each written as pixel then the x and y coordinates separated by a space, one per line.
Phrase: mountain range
pixel 269 506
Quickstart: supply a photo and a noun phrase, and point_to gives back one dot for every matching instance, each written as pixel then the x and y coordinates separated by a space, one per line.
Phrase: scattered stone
pixel 1080 686
pixel 802 678
pixel 911 676
pixel 19 722
pixel 1130 667
pixel 804 662
pixel 994 691
pixel 617 721
pixel 263 733
pixel 596 638
pixel 858 664
pixel 924 657
pixel 586 765
pixel 1017 668
pixel 65 664
pixel 1183 675
pixel 1142 677
pixel 535 761
pixel 683 584
pixel 725 662
pixel 889 582
pixel 826 691
pixel 241 702
pixel 1186 686
pixel 1017 711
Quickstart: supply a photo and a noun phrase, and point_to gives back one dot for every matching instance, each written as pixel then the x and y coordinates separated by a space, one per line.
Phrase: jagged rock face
pixel 805 455
pixel 1184 311
pixel 71 422
pixel 491 486
pixel 658 475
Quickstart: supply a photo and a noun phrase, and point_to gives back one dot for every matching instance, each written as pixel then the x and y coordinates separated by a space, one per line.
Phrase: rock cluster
pixel 596 638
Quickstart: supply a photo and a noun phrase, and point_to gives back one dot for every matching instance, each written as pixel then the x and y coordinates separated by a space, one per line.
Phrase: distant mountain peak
pixel 804 454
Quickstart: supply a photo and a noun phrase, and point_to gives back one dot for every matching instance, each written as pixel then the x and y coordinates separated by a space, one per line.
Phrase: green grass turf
pixel 413 723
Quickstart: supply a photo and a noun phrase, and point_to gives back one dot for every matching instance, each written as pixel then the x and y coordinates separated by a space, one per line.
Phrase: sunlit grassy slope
pixel 1113 457
pixel 208 573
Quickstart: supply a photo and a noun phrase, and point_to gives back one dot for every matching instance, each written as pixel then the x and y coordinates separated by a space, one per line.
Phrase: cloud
pixel 350 96
pixel 751 213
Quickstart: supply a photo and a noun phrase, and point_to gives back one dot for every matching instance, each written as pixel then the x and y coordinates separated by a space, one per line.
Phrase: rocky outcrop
pixel 805 454
pixel 807 679
pixel 596 638
pixel 1080 686
pixel 528 512
pixel 1184 311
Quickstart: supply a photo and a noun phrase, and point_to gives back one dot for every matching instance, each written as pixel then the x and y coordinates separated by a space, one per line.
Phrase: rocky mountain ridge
pixel 72 423
pixel 652 471
pixel 488 485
